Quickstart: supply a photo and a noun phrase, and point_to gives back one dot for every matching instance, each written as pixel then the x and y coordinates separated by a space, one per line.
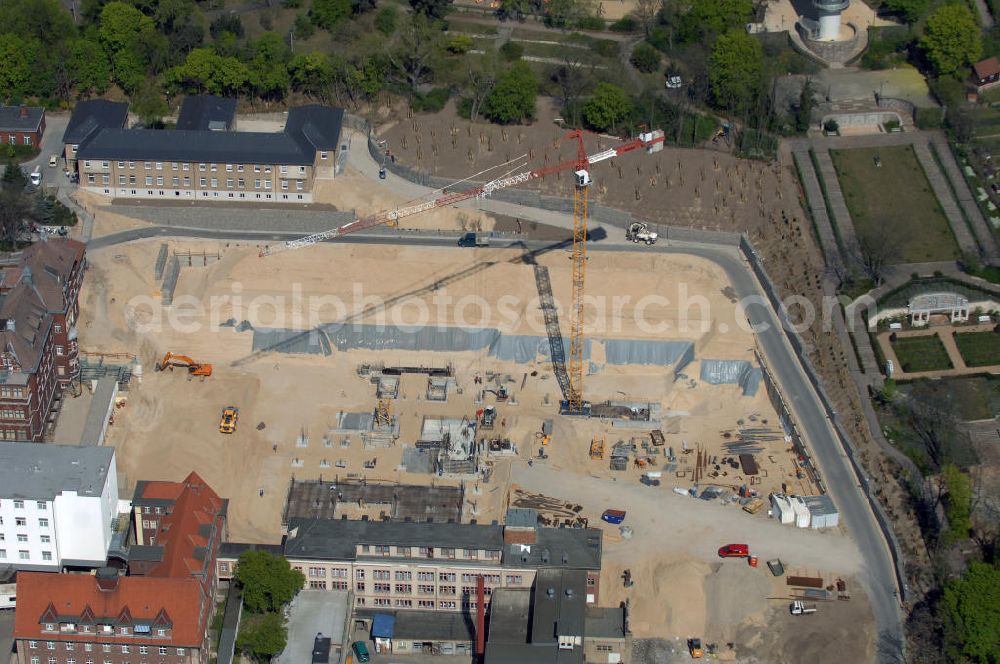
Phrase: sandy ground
pixel 169 425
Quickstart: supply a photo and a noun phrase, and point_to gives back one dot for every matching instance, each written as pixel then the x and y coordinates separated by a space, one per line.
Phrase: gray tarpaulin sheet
pixel 504 347
pixel 732 372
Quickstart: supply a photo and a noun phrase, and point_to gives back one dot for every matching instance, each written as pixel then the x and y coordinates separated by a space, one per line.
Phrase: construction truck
pixel 230 415
pixel 170 360
pixel 487 417
pixel 694 647
pixel 639 232
pixel 475 240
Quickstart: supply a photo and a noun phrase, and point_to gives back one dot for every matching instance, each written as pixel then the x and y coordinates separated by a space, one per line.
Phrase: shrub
pixel 459 44
pixel 430 102
pixel 606 48
pixel 929 118
pixel 591 23
pixel 385 20
pixel 831 126
pixel 291 4
pixel 511 51
pixel 645 58
pixel 304 29
pixel 624 24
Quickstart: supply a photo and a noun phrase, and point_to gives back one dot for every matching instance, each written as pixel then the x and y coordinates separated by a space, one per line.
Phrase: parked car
pixel 361 651
pixel 54 161
pixel 735 551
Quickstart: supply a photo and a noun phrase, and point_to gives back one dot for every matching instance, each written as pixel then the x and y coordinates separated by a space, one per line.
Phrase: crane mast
pixel 650 141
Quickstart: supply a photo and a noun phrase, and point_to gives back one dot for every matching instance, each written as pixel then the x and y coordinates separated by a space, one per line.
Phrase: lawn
pixel 894 202
pixel 923 353
pixel 979 349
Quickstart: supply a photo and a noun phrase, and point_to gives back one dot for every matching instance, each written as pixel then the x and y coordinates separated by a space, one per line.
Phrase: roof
pixel 519 653
pixel 95 425
pixel 94 114
pixel 338 538
pixel 605 622
pixel 382 625
pixel 578 548
pixel 206 112
pixel 510 615
pixel 234 549
pixel 427 625
pixel 820 505
pixel 34 284
pixel 308 129
pixel 174 602
pixel 21 118
pixel 41 471
pixel 937 302
pixel 521 517
pixel 986 68
pixel 190 530
pixel 559 605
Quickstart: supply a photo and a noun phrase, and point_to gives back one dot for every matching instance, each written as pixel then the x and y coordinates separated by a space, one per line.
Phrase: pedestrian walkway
pixel 939 184
pixel 817 207
pixel 841 215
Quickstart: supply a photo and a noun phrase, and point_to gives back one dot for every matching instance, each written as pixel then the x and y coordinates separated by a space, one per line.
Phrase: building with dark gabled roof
pixel 89 117
pixel 199 164
pixel 39 305
pixel 207 113
pixel 22 125
pixel 158 610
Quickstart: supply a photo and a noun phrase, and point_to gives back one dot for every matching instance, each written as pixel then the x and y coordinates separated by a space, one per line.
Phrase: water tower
pixel 828 18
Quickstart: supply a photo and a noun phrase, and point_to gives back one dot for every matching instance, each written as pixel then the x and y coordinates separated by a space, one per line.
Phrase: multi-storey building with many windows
pixel 160 612
pixel 58 504
pixel 39 293
pixel 208 165
pixel 431 566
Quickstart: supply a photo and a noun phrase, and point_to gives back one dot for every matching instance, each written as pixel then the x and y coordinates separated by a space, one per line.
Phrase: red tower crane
pixel 580 165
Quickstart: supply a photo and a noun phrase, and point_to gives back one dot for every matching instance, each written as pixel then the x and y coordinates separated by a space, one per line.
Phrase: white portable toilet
pixel 782 508
pixel 801 512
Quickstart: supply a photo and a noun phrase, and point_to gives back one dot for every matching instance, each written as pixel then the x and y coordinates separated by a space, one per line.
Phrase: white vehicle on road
pixel 639 232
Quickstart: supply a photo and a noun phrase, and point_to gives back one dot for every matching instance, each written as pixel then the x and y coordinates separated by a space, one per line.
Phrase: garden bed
pixel 979 349
pixel 923 353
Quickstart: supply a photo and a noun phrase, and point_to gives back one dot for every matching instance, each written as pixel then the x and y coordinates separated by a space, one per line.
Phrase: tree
pixel 435 9
pixel 18 57
pixel 804 109
pixel 44 20
pixel 262 637
pixel 359 7
pixel 970 610
pixel 735 69
pixel 513 97
pixel 481 77
pixel 311 73
pixel 608 106
pixel 911 10
pixel 645 58
pixel 952 39
pixel 417 50
pixel 573 77
pixel 929 412
pixel 515 9
pixel 385 20
pixel 206 71
pixel 15 207
pixel 957 502
pixel 874 252
pixel 88 66
pixel 230 23
pixel 646 13
pixel 327 13
pixel 268 581
pixel 713 17
pixel 148 103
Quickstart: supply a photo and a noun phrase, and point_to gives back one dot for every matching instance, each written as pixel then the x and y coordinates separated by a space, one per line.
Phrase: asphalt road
pixel 841 482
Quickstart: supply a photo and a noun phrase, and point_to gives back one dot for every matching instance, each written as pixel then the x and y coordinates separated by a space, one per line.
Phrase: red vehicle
pixel 734 551
pixel 613 516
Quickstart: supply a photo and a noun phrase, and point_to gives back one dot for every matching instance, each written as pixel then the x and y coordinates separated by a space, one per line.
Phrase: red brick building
pixel 39 305
pixel 159 613
pixel 22 125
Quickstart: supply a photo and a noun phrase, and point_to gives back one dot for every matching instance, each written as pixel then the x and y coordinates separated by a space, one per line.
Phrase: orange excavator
pixel 171 360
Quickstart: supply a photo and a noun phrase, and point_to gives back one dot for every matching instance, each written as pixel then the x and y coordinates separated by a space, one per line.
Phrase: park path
pixel 939 184
pixel 985 17
pixel 814 199
pixel 841 215
pixel 946 333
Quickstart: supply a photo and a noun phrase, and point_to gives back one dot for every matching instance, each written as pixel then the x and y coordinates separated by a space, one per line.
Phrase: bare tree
pixel 416 51
pixel 985 515
pixel 874 253
pixel 929 412
pixel 481 78
pixel 573 76
pixel 647 12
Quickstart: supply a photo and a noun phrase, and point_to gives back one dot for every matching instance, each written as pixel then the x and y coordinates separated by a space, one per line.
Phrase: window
pixel 338 585
pixel 299 185
pixel 104 164
pixel 161 632
pixel 175 181
pixel 131 165
pixel 143 650
pixel 447 590
pixel 514 579
pixel 131 179
pixel 359 574
pixel 91 179
pixel 382 587
pixel 425 590
pixel 382 601
pixel 404 603
pixel 256 169
pixel 163 650
pixel 88 647
pixel 124 650
pixel 360 587
pixel 201 167
pixel 147 165
pixel 32 644
pixel 382 549
pixel 302 169
pixel 404 588
pixel 215 182
pixel 317 585
pixel 122 179
pixel 425 576
pixel 27 140
pixel 267 184
pixel 123 631
pixel 186 167
pixel 22 538
pixel 23 555
pixel 239 168
pixel 35 660
pixel 159 180
pixel 471 554
pixel 149 180
pixel 70 661
pixel 187 181
pixel 44 523
pixel 446 576
pixel 50 645
pixel 70 646
pixel 106 647
pixel 425 604
pixel 403 576
pixel 159 165
pixel 318 572
pixel 173 166
pixel 180 652
pixel 283 169
pixel 3 554
pixel 104 179
pixel 19 504
pixel 241 183
pixel 446 605
pixel 380 574
pixel 12 139
pixel 322 155
pixel 229 183
pixel 46 555
pixel 213 168
pixel 256 184
pixel 284 185
pixel 448 552
pixel 202 181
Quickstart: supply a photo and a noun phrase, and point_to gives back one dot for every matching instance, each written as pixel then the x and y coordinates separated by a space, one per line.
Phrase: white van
pixel 36 176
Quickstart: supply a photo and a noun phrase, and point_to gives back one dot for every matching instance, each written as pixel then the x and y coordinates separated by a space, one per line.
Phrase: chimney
pixel 24 111
pixel 11 324
pixel 26 277
pixel 107 579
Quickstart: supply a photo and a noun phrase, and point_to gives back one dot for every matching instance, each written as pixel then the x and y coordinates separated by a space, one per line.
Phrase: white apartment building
pixel 58 504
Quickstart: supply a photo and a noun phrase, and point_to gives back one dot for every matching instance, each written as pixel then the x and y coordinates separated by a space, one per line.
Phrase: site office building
pixel 429 566
pixel 159 613
pixel 39 306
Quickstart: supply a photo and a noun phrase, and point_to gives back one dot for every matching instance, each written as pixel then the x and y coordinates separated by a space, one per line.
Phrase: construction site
pixel 448 383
